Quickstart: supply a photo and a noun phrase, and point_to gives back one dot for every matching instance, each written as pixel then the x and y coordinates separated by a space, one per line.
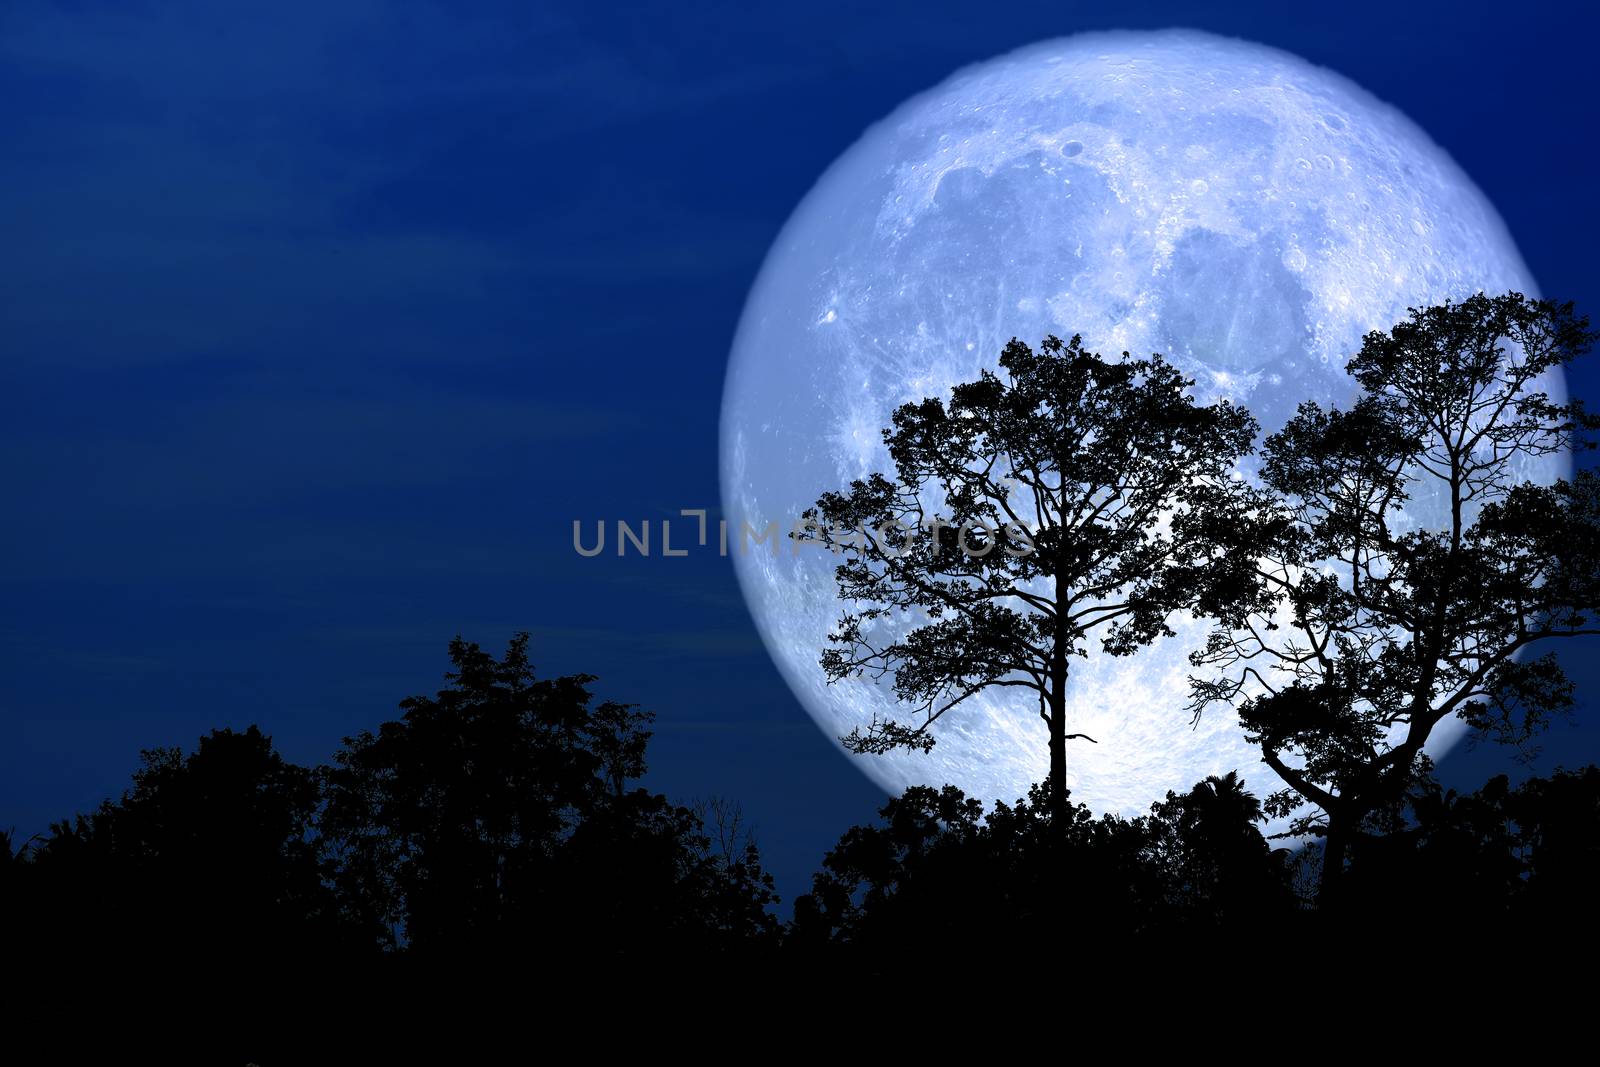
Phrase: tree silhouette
pixel 1558 838
pixel 209 855
pixel 11 857
pixel 1459 853
pixel 937 862
pixel 499 813
pixel 445 820
pixel 1223 871
pixel 1382 632
pixel 1066 497
pixel 1509 863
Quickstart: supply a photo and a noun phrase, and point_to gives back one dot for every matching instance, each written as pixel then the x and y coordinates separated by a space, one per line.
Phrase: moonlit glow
pixel 1244 213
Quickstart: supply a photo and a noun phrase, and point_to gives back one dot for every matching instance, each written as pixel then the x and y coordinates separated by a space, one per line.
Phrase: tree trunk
pixel 1058 753
pixel 1333 855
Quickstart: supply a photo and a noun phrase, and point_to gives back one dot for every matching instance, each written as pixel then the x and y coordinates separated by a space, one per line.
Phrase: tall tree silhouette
pixel 1102 486
pixel 1382 632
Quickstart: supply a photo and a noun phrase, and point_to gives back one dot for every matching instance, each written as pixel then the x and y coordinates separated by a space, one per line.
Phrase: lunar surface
pixel 1244 213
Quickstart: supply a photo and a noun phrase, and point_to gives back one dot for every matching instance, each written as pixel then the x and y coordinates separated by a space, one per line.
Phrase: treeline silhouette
pixel 500 816
pixel 501 819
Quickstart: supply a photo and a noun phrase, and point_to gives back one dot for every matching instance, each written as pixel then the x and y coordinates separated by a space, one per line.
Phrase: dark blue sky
pixel 320 323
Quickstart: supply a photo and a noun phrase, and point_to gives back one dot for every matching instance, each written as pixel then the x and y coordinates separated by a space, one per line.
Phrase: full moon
pixel 1246 214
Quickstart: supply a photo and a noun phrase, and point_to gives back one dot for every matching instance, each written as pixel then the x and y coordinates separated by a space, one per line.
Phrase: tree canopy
pixel 1385 620
pixel 499 813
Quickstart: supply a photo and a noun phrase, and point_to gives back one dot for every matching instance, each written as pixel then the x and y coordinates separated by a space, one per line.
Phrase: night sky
pixel 321 323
